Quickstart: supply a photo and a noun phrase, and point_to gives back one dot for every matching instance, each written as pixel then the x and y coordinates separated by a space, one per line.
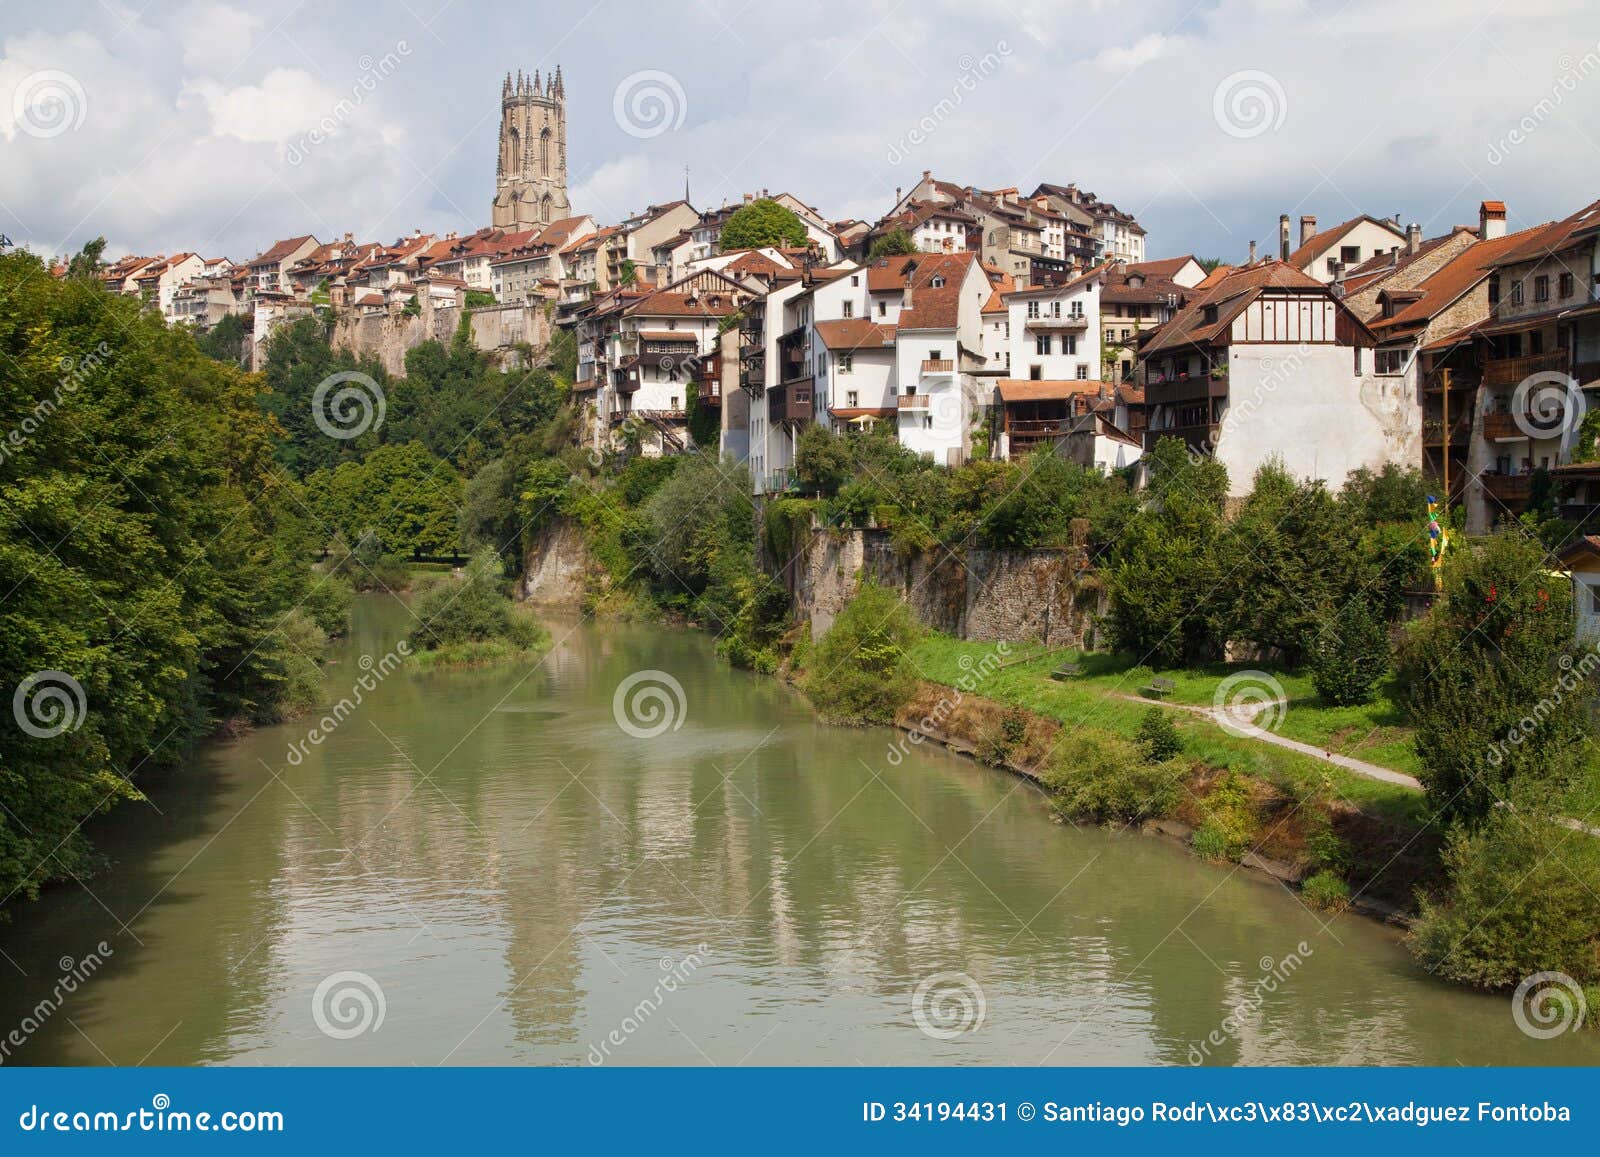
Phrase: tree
pixel 1495 683
pixel 762 222
pixel 821 459
pixel 87 261
pixel 860 671
pixel 892 244
pixel 226 341
pixel 1350 655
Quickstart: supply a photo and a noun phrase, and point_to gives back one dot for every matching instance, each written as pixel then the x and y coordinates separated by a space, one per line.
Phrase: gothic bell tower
pixel 531 174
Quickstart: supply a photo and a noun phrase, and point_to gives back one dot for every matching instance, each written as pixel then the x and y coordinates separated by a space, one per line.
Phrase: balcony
pixel 938 366
pixel 1510 371
pixel 1508 488
pixel 1433 431
pixel 708 381
pixel 1503 428
pixel 1185 388
pixel 1072 322
pixel 906 402
pixel 790 402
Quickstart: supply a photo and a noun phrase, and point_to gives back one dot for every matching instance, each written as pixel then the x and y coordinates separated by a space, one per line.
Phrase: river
pixel 483 867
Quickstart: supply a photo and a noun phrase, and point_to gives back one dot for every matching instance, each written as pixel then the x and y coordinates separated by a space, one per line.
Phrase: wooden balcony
pixel 1433 431
pixel 911 402
pixel 1510 371
pixel 790 402
pixel 938 365
pixel 1185 389
pixel 1508 488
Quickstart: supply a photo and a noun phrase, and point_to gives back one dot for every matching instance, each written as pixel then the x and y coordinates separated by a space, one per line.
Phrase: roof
pixel 558 233
pixel 853 333
pixel 1029 390
pixel 1230 295
pixel 672 303
pixel 1321 242
pixel 933 289
pixel 1165 267
pixel 1065 286
pixel 1214 276
pixel 1586 545
pixel 282 250
pixel 1450 281
pixel 1564 234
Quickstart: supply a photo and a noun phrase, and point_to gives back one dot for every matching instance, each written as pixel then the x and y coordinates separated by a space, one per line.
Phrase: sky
pixel 219 127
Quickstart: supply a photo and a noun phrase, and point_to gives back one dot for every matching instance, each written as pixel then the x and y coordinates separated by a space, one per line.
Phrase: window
pixel 1041 344
pixel 883 308
pixel 852 398
pixel 1035 374
pixel 847 363
pixel 1125 334
pixel 1033 309
pixel 1594 599
pixel 1535 343
pixel 1069 344
pixel 927 421
pixel 855 280
pixel 1055 309
pixel 937 282
pixel 935 355
pixel 1566 285
pixel 1357 352
pixel 1389 361
pixel 1516 292
pixel 1350 254
pixel 849 309
pixel 1083 372
pixel 674 404
pixel 1541 288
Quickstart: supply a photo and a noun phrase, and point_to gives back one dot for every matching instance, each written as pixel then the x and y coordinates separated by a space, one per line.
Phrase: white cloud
pixel 216 39
pixel 286 103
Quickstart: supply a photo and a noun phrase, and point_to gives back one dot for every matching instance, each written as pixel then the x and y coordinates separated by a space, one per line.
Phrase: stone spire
pixel 537 87
pixel 560 89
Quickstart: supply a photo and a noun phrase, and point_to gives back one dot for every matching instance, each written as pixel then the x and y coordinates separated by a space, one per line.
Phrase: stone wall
pixel 1043 596
pixel 388 336
pixel 557 568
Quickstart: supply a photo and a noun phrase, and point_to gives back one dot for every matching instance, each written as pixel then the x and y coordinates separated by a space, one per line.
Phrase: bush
pixel 1351 654
pixel 1104 776
pixel 1522 899
pixel 470 619
pixel 860 672
pixel 328 602
pixel 1212 843
pixel 762 222
pixel 1326 890
pixel 1230 814
pixel 1158 736
pixel 1012 732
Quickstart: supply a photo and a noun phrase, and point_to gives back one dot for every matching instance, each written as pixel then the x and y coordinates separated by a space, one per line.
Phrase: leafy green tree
pixel 892 244
pixel 860 671
pixel 87 262
pixel 408 498
pixel 1158 736
pixel 762 222
pixel 1350 654
pixel 1495 683
pixel 227 340
pixel 822 459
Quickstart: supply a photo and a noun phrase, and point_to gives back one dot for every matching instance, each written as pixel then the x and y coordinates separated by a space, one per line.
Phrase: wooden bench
pixel 1066 671
pixel 1160 688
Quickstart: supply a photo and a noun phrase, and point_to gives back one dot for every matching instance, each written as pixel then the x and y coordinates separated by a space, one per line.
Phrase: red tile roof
pixel 855 333
pixel 1230 295
pixel 1321 242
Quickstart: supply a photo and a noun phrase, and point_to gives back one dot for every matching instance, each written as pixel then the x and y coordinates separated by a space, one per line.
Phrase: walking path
pixel 1239 721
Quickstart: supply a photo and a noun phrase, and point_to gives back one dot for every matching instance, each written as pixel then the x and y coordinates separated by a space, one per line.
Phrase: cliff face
pixel 496 329
pixel 1044 596
pixel 557 568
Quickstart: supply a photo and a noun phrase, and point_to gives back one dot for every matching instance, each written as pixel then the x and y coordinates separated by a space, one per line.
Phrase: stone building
pixel 531 174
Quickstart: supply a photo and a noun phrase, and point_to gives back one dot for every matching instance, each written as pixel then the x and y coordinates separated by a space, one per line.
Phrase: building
pixel 1269 363
pixel 1134 300
pixel 269 272
pixel 1095 230
pixel 1325 255
pixel 531 171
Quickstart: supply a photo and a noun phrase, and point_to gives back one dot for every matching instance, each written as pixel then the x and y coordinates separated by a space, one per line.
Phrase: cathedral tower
pixel 531 175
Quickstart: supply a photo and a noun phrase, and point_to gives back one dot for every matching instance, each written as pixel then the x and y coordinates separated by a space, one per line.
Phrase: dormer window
pixel 1210 314
pixel 937 282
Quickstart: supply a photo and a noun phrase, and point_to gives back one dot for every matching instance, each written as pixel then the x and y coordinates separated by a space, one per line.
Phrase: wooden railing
pixel 912 401
pixel 938 365
pixel 1510 371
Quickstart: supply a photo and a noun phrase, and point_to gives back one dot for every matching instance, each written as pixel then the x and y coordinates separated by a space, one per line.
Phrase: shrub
pixel 1230 813
pixel 1521 900
pixel 1211 842
pixel 1326 890
pixel 1351 654
pixel 328 602
pixel 1105 776
pixel 470 619
pixel 860 672
pixel 1012 732
pixel 1158 736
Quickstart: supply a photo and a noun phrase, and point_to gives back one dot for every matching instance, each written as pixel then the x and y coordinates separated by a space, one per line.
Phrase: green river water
pixel 483 867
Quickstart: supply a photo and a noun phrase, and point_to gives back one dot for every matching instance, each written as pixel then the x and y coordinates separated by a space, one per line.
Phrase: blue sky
pixel 196 126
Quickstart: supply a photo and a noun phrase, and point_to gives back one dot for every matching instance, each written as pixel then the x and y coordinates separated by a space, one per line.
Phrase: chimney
pixel 1283 236
pixel 1252 253
pixel 1491 220
pixel 1308 228
pixel 926 174
pixel 748 197
pixel 1413 237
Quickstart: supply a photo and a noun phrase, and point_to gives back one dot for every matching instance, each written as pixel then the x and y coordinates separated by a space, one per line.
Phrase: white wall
pixel 1058 364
